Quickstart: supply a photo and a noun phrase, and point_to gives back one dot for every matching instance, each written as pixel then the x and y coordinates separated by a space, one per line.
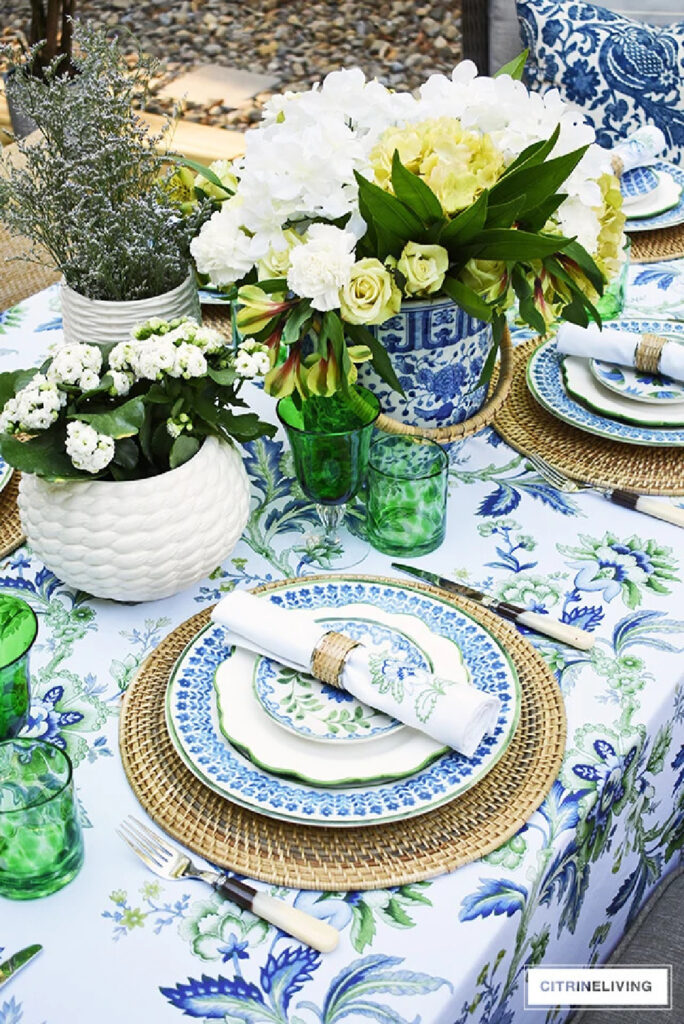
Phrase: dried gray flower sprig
pixel 91 187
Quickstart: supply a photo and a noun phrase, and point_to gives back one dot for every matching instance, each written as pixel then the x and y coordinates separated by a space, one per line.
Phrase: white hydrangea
pixel 322 265
pixel 89 450
pixel 76 364
pixel 35 407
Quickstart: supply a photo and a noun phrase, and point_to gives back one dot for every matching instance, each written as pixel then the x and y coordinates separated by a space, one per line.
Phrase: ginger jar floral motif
pixel 439 353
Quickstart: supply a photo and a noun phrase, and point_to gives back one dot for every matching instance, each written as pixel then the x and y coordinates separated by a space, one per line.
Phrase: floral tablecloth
pixel 121 945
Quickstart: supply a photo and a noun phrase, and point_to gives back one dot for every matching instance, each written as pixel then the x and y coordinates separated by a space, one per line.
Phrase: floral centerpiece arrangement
pixel 132 410
pixel 351 201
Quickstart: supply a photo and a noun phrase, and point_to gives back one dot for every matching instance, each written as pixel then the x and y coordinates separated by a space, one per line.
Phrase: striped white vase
pixel 101 321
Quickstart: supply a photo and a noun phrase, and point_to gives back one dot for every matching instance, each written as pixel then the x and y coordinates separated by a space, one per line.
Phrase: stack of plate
pixel 652 197
pixel 611 401
pixel 280 743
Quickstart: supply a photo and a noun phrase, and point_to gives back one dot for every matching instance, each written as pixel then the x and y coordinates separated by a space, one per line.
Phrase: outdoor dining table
pixel 119 944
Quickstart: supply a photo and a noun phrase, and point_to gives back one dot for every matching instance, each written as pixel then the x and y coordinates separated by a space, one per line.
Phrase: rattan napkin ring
pixel 647 353
pixel 617 165
pixel 328 658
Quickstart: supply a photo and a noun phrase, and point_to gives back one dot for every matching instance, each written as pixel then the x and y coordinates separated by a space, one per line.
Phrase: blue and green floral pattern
pixel 450 950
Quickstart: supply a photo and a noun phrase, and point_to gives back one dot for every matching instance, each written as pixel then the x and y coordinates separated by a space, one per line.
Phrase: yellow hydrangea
pixel 456 163
pixel 609 253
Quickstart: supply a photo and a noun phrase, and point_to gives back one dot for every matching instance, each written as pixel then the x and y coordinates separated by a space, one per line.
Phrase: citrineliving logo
pixel 615 988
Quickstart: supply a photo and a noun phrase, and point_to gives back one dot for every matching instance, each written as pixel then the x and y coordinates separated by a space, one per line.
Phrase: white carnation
pixel 322 265
pixel 88 449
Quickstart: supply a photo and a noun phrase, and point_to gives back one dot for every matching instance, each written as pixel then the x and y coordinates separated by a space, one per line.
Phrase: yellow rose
pixel 370 296
pixel 486 277
pixel 277 262
pixel 424 267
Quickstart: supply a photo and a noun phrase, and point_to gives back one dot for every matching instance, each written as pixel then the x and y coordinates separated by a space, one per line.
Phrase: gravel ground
pixel 295 41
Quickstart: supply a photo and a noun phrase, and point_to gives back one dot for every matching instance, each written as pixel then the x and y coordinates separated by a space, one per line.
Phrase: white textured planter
pixel 98 320
pixel 139 540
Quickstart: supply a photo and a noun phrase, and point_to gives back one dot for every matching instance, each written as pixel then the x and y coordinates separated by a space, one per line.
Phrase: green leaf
pixel 488 367
pixel 467 225
pixel 534 153
pixel 222 377
pixel 396 913
pixel 534 220
pixel 295 325
pixel 415 193
pixel 43 455
pixel 511 244
pixel 122 422
pixel 204 172
pixel 502 215
pixel 538 182
pixel 514 67
pixel 381 361
pixel 388 213
pixel 126 453
pixel 244 426
pixel 183 449
pixel 467 299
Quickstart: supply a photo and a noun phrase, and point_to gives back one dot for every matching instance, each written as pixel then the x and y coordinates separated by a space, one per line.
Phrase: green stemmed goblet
pixel 18 630
pixel 330 439
pixel 41 846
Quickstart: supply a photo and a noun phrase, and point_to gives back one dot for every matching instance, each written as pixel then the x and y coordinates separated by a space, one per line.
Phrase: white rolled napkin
pixel 451 711
pixel 640 148
pixel 615 346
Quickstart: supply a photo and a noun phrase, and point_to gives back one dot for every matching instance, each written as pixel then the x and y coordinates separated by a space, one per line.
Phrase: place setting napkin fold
pixel 452 711
pixel 615 346
pixel 640 148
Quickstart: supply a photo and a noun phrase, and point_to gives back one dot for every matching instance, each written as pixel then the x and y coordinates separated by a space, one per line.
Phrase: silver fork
pixel 659 510
pixel 168 862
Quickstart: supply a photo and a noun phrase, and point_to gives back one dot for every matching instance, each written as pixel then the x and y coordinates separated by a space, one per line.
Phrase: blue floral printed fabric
pixel 620 73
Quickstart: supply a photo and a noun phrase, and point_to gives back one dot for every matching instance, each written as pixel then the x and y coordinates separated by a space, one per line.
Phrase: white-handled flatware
pixel 664 510
pixel 168 862
pixel 567 634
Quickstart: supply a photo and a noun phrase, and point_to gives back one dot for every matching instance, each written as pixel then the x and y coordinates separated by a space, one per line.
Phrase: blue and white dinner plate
pixel 636 385
pixel 192 717
pixel 545 381
pixel 668 197
pixel 637 183
pixel 5 473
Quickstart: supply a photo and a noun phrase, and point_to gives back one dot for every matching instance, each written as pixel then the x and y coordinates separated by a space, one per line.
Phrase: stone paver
pixel 213 83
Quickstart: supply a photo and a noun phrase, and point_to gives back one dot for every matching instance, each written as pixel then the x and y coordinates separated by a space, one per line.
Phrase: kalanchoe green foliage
pixel 91 187
pixel 130 410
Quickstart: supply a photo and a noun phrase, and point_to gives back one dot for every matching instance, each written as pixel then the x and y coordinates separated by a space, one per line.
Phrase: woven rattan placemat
pixel 663 244
pixel 312 857
pixel 11 535
pixel 533 431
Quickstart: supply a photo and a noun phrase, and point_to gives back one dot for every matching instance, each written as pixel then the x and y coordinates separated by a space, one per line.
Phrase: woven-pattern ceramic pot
pixel 91 321
pixel 139 540
pixel 438 353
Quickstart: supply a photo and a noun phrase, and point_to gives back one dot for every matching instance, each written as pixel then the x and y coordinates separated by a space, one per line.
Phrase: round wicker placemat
pixel 531 430
pixel 11 534
pixel 313 857
pixel 652 246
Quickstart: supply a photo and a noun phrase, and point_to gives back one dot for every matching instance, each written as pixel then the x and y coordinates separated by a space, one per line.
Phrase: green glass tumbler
pixel 18 630
pixel 612 302
pixel 330 440
pixel 407 495
pixel 41 845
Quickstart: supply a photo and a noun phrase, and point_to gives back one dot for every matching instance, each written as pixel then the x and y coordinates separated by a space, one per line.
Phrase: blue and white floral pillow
pixel 620 73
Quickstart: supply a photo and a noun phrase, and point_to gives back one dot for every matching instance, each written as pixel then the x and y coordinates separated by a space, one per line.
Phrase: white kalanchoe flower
pixel 76 364
pixel 209 340
pixel 252 359
pixel 121 382
pixel 173 429
pixel 322 265
pixel 190 362
pixel 35 407
pixel 87 448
